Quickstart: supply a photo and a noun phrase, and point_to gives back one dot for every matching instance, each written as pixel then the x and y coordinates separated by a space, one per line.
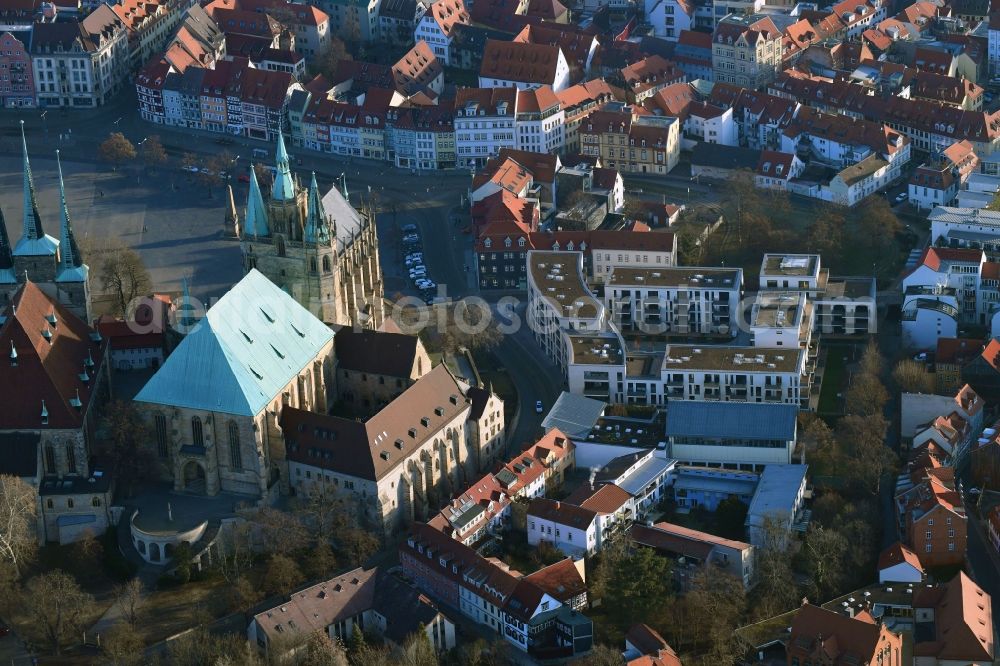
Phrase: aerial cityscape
pixel 499 332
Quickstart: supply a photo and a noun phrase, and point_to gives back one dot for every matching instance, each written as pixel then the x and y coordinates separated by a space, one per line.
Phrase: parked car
pixel 409 227
pixel 244 178
pixel 538 407
pixel 4 630
pixel 190 168
pixel 901 197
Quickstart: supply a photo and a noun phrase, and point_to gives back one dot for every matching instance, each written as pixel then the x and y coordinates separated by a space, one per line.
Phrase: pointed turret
pixel 186 310
pixel 6 255
pixel 343 185
pixel 315 231
pixel 71 266
pixel 34 242
pixel 283 188
pixel 232 217
pixel 255 221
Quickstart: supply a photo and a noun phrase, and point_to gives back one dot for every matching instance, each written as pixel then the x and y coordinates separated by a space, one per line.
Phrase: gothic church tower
pixel 55 266
pixel 308 245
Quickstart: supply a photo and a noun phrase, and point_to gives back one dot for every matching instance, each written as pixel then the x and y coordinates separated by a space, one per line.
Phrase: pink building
pixel 17 85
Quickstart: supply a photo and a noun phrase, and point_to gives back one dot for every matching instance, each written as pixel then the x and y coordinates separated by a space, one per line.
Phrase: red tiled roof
pixel 47 370
pixel 518 61
pixel 604 499
pixel 122 336
pixel 817 631
pixel 702 40
pixel 561 580
pixel 963 622
pixel 898 553
pixel 958 350
pixel 537 99
pixel 561 512
pixel 447 13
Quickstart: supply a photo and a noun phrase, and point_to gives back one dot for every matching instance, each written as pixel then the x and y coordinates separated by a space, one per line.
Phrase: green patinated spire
pixel 255 223
pixel 316 230
pixel 283 188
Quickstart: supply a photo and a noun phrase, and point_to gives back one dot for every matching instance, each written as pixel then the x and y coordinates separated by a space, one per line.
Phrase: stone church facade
pixel 213 406
pixel 319 249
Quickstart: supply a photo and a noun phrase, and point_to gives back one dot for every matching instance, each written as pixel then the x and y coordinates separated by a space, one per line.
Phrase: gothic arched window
pixel 160 424
pixel 196 435
pixel 326 265
pixel 279 244
pixel 235 455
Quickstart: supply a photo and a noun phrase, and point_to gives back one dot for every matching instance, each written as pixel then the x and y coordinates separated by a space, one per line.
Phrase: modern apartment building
pixel 677 301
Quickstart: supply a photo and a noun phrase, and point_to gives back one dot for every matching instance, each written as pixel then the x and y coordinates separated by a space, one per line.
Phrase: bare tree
pixel 871 360
pixel 866 396
pixel 123 274
pixel 912 377
pixel 123 646
pixel 236 552
pixel 116 149
pixel 153 153
pixel 335 54
pixel 321 650
pixel 127 445
pixel 602 655
pixel 127 597
pixel 57 604
pixel 825 551
pixel 279 531
pixel 18 517
pixel 282 574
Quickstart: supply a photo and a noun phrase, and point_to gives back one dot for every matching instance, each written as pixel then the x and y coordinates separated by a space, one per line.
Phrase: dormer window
pixel 487 243
pixel 507 242
pixel 521 242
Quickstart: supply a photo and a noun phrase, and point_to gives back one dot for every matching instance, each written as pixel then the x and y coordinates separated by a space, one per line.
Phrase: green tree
pixel 182 562
pixel 731 517
pixel 641 589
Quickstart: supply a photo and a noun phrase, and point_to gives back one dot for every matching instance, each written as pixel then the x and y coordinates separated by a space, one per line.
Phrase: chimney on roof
pixel 13 355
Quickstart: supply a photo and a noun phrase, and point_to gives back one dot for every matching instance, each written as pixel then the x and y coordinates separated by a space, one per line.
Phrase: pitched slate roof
pixel 242 354
pixel 377 352
pixel 372 449
pixel 49 361
pixel 19 453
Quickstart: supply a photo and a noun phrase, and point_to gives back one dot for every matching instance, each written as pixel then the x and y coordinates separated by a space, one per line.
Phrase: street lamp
pixel 45 123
